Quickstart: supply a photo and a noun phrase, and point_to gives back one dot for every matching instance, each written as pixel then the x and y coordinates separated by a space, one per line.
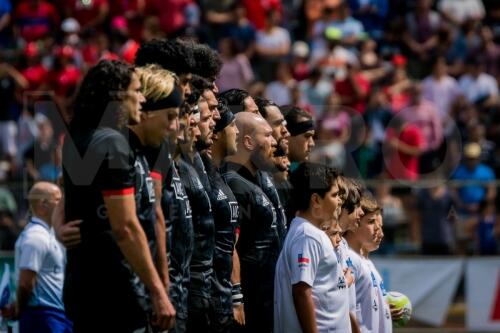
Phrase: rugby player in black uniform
pixel 272 114
pixel 111 282
pixel 257 220
pixel 201 269
pixel 225 211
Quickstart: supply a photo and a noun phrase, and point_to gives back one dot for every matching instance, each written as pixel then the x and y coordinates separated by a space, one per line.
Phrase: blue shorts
pixel 44 320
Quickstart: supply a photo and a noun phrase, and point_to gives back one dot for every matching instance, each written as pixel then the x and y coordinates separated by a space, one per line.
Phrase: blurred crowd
pixel 399 90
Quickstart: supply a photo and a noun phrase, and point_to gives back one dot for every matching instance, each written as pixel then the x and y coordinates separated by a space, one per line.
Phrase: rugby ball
pixel 400 301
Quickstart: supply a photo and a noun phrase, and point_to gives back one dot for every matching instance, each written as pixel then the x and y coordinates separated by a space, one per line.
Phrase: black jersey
pixel 99 163
pixel 267 185
pixel 178 220
pixel 256 247
pixel 144 190
pixel 203 227
pixel 225 211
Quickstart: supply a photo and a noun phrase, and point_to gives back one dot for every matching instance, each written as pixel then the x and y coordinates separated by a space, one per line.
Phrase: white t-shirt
pixel 367 303
pixel 475 88
pixel 345 259
pixel 385 321
pixel 308 256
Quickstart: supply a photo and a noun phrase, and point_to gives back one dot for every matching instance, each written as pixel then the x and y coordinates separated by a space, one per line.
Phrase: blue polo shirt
pixel 38 250
pixel 472 194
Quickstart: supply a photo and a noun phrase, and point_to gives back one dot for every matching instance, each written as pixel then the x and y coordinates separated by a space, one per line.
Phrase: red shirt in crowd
pixel 35 75
pixel 345 89
pixel 170 13
pixel 257 9
pixel 35 20
pixel 402 165
pixel 65 81
pixel 85 11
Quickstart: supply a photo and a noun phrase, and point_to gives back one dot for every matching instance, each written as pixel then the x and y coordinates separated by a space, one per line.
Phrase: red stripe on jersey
pixel 155 175
pixel 123 191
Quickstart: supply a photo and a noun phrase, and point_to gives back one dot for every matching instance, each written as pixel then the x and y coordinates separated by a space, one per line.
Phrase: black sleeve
pixel 116 176
pixel 159 161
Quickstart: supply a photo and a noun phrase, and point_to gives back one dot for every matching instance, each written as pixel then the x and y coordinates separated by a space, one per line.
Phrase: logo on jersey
pixel 348 262
pixel 303 261
pixel 151 189
pixel 374 282
pixel 221 196
pixel 341 283
pixel 235 211
pixel 178 189
pixel 265 202
pixel 375 306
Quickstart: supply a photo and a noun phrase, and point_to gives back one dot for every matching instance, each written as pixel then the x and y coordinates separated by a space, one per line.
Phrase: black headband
pixel 174 100
pixel 299 128
pixel 226 118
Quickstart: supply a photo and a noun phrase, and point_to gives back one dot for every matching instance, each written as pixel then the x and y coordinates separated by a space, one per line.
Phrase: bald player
pixel 39 262
pixel 258 235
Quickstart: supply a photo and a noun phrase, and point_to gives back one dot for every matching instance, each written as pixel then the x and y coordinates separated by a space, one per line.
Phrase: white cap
pixel 300 49
pixel 70 26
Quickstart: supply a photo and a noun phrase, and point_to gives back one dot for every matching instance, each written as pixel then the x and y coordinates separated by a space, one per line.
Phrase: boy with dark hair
pixel 367 303
pixel 310 289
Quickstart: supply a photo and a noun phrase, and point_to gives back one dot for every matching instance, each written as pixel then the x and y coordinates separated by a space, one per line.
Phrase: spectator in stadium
pixel 354 88
pixel 489 52
pixel 10 80
pixel 272 44
pixel 315 89
pixel 5 20
pixel 371 14
pixel 477 86
pixel 424 115
pixel 42 161
pixel 236 71
pixel 457 12
pixel 436 220
pixel 468 197
pixel 9 228
pixel 420 35
pixel 40 265
pixel 487 225
pixel 36 19
pixel 403 147
pixel 476 132
pixel 91 16
pixel 279 89
pixel 441 89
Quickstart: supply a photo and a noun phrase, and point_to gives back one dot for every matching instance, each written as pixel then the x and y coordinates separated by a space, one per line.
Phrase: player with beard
pixel 110 275
pixel 225 212
pixel 258 236
pixel 271 113
pixel 239 100
pixel 201 267
pixel 300 124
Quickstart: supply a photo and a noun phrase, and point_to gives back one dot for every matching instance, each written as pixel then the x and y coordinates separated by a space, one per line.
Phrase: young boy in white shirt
pixel 367 303
pixel 310 289
pixel 386 314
